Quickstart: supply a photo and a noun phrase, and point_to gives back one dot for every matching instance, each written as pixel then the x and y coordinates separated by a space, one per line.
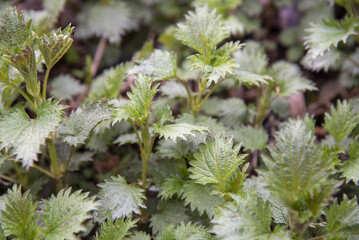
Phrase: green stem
pixel 209 93
pixel 146 150
pixel 24 95
pixel 263 106
pixel 44 171
pixel 8 178
pixel 53 158
pixel 68 159
pixel 18 172
pixel 44 86
pixel 137 135
pixel 187 90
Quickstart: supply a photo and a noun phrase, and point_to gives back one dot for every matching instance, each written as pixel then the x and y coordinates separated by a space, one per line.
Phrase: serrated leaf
pixel 108 84
pixel 330 59
pixel 119 199
pixel 110 21
pixel 289 79
pixel 15 33
pixel 233 111
pixel 350 167
pixel 215 161
pixel 77 128
pixel 342 219
pixel 24 135
pixel 129 138
pixel 178 130
pixel 341 121
pixel 201 198
pixel 250 79
pixel 252 138
pixel 159 65
pixel 202 31
pixel 170 149
pixel 321 36
pixel 18 217
pixel 137 108
pixel 115 230
pixel 55 45
pixel 298 172
pixel 172 186
pixel 252 58
pixel 247 217
pixel 165 115
pixel 171 213
pixel 184 232
pixel 65 86
pixel 63 214
pixel 139 236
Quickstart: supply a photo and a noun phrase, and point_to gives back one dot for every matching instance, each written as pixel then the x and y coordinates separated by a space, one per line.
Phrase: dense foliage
pixel 176 128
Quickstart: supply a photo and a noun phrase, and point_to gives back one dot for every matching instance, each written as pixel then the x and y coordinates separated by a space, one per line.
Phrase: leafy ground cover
pixel 171 120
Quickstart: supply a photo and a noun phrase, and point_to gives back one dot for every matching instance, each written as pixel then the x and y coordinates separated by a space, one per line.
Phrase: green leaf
pixel 201 198
pixel 24 135
pixel 202 31
pixel 250 79
pixel 342 220
pixel 65 86
pixel 341 121
pixel 139 236
pixel 159 65
pixel 298 171
pixel 118 199
pixel 173 89
pixel 178 130
pixel 330 59
pixel 110 21
pixel 233 111
pixel 108 84
pixel 215 161
pixel 184 232
pixel 350 167
pixel 115 230
pixel 252 138
pixel 321 36
pixel 77 128
pixel 55 45
pixel 15 33
pixel 63 214
pixel 247 217
pixel 172 212
pixel 137 108
pixel 19 215
pixel 165 115
pixel 172 186
pixel 289 79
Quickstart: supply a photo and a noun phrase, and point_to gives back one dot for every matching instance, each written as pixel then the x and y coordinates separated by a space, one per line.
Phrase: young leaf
pixel 159 65
pixel 115 230
pixel 341 121
pixel 137 108
pixel 110 21
pixel 350 167
pixel 65 86
pixel 247 217
pixel 164 115
pixel 119 199
pixel 200 197
pixel 172 186
pixel 173 89
pixel 215 161
pixel 252 138
pixel 19 218
pixel 184 232
pixel 178 130
pixel 330 59
pixel 54 46
pixel 321 36
pixel 342 219
pixel 233 111
pixel 108 84
pixel 77 128
pixel 289 80
pixel 63 214
pixel 24 135
pixel 297 171
pixel 139 236
pixel 202 31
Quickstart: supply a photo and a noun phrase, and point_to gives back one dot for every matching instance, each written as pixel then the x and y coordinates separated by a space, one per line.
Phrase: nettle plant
pixel 194 182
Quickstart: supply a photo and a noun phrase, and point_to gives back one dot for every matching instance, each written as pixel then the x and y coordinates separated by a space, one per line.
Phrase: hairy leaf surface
pixel 115 230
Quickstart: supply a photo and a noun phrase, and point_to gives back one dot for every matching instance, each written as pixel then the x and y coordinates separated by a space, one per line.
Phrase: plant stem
pixel 18 172
pixel 44 171
pixel 146 151
pixel 98 56
pixel 54 164
pixel 24 95
pixel 209 93
pixel 262 106
pixel 69 159
pixel 137 135
pixel 8 178
pixel 187 90
pixel 44 86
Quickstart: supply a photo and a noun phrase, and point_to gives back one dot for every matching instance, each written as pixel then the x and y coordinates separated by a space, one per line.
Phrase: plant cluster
pixel 192 165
